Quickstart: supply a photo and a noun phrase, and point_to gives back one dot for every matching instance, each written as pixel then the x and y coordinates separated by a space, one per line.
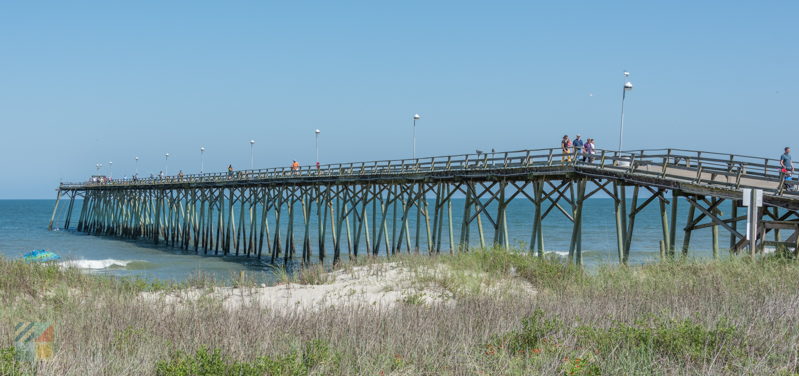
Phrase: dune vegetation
pixel 489 312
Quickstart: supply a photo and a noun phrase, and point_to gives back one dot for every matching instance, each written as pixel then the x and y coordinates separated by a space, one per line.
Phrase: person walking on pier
pixel 786 170
pixel 295 167
pixel 578 146
pixel 229 171
pixel 785 161
pixel 566 148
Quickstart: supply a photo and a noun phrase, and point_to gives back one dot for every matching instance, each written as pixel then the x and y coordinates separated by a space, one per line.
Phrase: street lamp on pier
pixel 110 169
pixel 252 155
pixel 137 166
pixel 415 117
pixel 627 87
pixel 202 159
pixel 316 132
pixel 166 166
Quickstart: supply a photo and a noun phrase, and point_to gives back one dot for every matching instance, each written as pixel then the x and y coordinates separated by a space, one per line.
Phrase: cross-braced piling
pixel 393 206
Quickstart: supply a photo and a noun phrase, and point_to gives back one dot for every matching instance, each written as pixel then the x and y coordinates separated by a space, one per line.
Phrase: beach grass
pixel 731 316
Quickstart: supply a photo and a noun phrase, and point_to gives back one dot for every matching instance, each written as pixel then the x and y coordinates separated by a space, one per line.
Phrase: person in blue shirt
pixel 578 145
pixel 785 160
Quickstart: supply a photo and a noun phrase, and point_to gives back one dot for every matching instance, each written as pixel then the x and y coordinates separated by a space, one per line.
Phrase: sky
pixel 85 82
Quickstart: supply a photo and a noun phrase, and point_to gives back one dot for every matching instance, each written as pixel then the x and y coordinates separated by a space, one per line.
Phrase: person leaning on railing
pixel 589 149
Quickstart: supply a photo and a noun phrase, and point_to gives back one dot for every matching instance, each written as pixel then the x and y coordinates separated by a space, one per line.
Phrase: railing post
pixel 632 163
pixel 698 171
pixel 731 163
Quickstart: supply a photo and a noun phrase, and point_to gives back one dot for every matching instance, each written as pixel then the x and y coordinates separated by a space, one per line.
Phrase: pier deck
pixel 241 213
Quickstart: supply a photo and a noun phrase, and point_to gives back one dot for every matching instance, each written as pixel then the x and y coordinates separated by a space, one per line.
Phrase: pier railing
pixel 369 205
pixel 701 167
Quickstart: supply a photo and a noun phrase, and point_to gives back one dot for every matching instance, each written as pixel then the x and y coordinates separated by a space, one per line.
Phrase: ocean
pixel 23 227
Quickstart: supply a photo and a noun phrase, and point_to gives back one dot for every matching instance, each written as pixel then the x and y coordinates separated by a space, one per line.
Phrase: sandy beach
pixel 382 286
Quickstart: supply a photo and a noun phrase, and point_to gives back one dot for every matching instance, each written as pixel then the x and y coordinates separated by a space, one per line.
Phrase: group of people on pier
pixel 577 148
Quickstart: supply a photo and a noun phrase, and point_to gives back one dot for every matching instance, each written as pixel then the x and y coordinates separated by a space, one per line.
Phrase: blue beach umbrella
pixel 40 255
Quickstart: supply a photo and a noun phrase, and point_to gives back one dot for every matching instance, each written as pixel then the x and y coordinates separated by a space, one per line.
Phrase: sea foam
pixel 97 264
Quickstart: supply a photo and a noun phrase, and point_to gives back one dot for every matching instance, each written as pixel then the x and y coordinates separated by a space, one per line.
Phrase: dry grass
pixel 728 317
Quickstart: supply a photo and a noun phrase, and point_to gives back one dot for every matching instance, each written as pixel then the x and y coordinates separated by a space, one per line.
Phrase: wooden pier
pixel 393 206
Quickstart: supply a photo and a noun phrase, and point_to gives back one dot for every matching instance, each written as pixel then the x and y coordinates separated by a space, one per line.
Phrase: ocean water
pixel 23 227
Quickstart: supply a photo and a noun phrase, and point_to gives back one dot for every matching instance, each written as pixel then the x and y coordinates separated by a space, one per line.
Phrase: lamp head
pixel 202 148
pixel 252 142
pixel 166 155
pixel 628 85
pixel 626 74
pixel 317 131
pixel 137 158
pixel 416 117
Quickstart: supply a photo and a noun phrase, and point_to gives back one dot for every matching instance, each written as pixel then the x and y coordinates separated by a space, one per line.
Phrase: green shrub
pixel 314 354
pixel 10 365
pixel 585 366
pixel 531 337
pixel 678 339
pixel 543 272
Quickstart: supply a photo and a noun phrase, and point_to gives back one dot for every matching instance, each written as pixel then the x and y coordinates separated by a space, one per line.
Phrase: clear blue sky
pixel 88 82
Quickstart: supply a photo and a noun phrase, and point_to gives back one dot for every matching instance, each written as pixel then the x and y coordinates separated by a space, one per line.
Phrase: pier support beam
pixel 620 204
pixel 664 223
pixel 686 240
pixel 55 210
pixel 576 246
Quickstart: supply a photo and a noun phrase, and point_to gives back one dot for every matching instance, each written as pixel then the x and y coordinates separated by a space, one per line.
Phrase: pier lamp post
pixel 166 166
pixel 415 117
pixel 252 158
pixel 202 159
pixel 137 166
pixel 110 169
pixel 627 87
pixel 316 132
pixel 98 166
